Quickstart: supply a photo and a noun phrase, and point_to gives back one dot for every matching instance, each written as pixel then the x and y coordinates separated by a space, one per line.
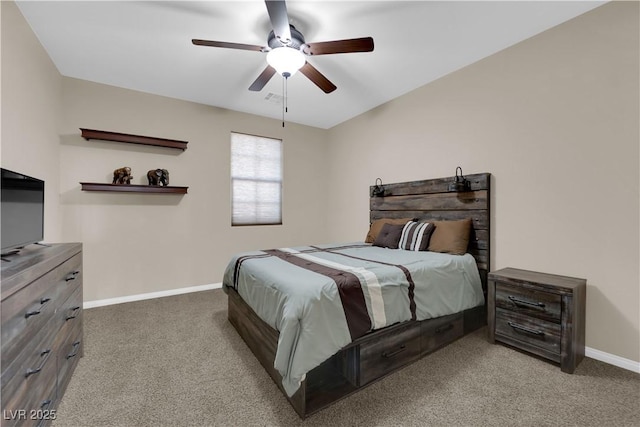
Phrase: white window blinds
pixel 256 180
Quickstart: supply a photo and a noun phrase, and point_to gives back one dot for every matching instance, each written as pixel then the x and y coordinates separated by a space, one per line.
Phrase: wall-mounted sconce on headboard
pixel 460 183
pixel 378 190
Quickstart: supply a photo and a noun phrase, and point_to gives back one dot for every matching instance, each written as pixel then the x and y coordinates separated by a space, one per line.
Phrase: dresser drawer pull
pixel 71 276
pixel 73 314
pixel 443 329
pixel 517 301
pixel 46 354
pixel 525 329
pixel 76 346
pixel 43 303
pixel 394 353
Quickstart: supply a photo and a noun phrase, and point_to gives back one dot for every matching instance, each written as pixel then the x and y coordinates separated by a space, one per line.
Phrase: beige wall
pixel 555 120
pixel 31 92
pixel 138 243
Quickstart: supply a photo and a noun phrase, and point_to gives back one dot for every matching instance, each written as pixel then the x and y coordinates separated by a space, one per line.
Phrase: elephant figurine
pixel 122 175
pixel 158 177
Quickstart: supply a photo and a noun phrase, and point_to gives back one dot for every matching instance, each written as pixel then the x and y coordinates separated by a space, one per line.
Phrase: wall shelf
pixel 90 134
pixel 131 188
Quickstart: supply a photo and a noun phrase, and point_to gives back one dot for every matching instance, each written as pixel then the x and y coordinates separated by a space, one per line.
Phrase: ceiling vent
pixel 274 98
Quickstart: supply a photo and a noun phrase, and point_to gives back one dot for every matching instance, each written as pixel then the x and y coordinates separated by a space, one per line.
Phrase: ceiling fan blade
pixel 241 46
pixel 279 20
pixel 318 78
pixel 263 79
pixel 363 44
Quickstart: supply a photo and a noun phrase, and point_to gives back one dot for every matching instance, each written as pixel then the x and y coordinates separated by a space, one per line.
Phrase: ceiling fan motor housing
pixel 297 39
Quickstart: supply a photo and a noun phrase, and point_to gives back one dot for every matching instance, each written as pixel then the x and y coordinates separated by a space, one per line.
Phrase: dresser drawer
pixel 33 416
pixel 70 313
pixel 69 353
pixel 29 356
pixel 41 314
pixel 32 387
pixel 538 333
pixel 28 310
pixel 529 301
pixel 388 352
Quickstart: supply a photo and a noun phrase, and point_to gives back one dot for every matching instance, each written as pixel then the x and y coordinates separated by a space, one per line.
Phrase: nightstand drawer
pixel 384 355
pixel 529 301
pixel 539 333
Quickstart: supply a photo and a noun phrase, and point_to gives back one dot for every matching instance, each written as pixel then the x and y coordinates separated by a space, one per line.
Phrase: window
pixel 256 180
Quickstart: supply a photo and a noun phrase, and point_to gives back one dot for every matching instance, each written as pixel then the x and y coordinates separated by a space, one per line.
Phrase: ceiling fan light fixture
pixel 286 60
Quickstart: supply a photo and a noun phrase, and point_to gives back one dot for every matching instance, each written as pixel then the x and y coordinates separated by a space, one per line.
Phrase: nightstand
pixel 539 313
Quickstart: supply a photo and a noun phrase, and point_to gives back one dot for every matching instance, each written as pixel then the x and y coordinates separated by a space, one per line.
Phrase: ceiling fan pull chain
pixel 285 108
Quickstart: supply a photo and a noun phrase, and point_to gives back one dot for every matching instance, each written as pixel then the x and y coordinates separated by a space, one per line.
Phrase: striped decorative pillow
pixel 415 236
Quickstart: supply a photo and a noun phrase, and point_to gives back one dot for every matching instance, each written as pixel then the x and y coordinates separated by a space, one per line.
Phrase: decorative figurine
pixel 158 177
pixel 122 176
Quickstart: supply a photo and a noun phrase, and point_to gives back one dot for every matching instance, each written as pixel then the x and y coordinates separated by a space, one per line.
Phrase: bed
pixel 328 320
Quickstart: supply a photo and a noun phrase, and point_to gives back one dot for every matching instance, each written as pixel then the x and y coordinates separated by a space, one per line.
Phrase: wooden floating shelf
pixel 132 188
pixel 89 134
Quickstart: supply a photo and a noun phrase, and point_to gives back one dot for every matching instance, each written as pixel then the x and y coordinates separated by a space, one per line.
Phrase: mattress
pixel 320 298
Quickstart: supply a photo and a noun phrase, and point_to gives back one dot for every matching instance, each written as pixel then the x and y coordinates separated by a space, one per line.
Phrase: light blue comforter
pixel 305 306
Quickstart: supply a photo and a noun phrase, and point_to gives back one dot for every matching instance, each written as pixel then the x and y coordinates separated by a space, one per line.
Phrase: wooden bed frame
pixel 384 351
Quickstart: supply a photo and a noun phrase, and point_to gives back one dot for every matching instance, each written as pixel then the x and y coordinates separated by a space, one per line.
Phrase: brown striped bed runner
pixel 349 285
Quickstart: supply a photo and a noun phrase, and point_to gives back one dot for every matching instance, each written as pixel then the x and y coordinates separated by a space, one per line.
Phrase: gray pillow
pixel 389 236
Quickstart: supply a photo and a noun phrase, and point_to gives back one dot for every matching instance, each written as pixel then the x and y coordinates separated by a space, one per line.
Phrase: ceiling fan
pixel 286 50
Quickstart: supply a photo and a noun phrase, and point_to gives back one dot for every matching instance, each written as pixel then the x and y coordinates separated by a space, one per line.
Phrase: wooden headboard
pixel 431 200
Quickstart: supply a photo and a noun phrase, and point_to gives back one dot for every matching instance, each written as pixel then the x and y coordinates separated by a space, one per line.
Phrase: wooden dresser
pixel 539 313
pixel 41 330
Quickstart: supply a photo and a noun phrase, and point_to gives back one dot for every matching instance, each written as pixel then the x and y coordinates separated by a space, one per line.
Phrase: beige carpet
pixel 176 361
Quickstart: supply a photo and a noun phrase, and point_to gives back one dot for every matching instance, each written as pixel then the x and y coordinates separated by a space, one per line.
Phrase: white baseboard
pixel 151 295
pixel 612 359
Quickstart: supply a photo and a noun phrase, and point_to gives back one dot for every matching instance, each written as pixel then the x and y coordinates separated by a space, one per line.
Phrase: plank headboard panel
pixel 431 200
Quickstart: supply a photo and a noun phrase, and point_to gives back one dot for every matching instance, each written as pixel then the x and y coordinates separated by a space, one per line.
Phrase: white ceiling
pixel 146 46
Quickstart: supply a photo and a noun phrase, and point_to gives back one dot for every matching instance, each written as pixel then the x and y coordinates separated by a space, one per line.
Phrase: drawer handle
pixel 443 329
pixel 518 301
pixel 72 275
pixel 74 313
pixel 394 353
pixel 43 303
pixel 46 354
pixel 525 329
pixel 74 353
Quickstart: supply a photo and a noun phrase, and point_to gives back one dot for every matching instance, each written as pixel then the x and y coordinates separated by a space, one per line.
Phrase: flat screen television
pixel 21 210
